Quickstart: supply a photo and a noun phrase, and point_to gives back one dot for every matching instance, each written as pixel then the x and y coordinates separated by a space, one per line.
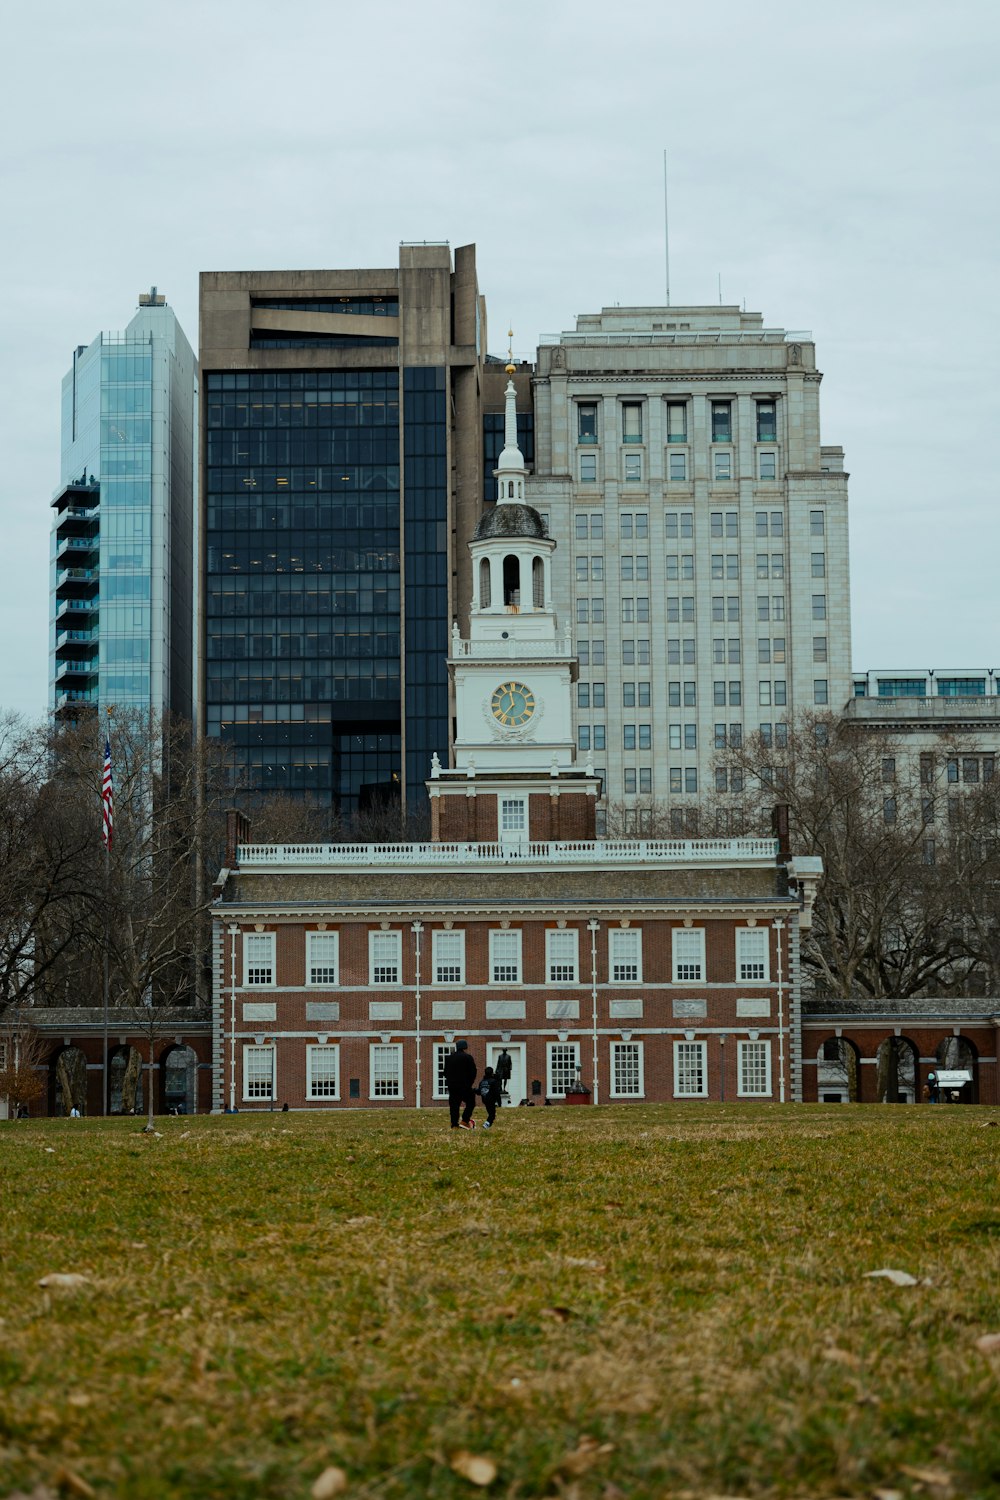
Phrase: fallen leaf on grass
pixel 898 1278
pixel 72 1484
pixel 887 1495
pixel 80 1399
pixel 361 1219
pixel 332 1481
pixel 474 1467
pixel 989 1343
pixel 841 1357
pixel 586 1265
pixel 562 1314
pixel 50 1150
pixel 68 1279
pixel 585 1455
pixel 184 1135
pixel 937 1479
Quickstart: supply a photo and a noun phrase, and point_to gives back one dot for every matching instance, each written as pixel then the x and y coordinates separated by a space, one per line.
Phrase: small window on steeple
pixel 538 583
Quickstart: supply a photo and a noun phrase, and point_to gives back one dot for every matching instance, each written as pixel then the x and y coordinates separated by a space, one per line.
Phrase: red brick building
pixel 655 970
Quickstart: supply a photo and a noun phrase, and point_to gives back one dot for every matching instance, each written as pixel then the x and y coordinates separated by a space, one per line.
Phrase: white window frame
pixel 330 1052
pixel 748 961
pixel 500 938
pixel 692 939
pixel 509 831
pixel 383 1051
pixel 619 1049
pixel 746 1070
pixel 685 1055
pixel 568 940
pixel 439 1089
pixel 588 461
pixel 625 955
pixel 443 938
pixel 569 1058
pixel 632 468
pixel 253 1053
pixel 393 939
pixel 316 962
pixel 262 944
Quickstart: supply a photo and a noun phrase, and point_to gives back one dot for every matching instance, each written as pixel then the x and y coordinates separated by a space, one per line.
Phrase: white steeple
pixel 510 471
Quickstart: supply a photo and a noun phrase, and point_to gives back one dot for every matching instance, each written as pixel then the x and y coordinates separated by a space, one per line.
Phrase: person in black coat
pixel 460 1075
pixel 489 1092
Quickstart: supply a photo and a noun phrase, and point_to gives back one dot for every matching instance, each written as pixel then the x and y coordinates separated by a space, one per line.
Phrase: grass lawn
pixel 625 1302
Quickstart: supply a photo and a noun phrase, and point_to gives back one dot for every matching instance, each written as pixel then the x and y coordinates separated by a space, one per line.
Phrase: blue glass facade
pixel 302 602
pixel 122 539
pixel 425 540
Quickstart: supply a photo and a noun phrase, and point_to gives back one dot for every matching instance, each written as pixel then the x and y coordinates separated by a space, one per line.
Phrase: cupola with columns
pixel 514 779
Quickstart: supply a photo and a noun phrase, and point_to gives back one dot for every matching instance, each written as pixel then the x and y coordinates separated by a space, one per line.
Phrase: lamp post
pixel 417 929
pixel 779 928
pixel 593 927
pixel 106 974
pixel 233 934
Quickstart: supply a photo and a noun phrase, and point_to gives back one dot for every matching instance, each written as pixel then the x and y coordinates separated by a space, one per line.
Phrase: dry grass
pixel 629 1302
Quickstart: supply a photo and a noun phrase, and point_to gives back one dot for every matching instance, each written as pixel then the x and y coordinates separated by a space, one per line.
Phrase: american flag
pixel 107 798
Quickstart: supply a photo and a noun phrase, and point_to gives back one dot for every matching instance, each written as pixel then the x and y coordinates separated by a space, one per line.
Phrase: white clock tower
pixel 513 674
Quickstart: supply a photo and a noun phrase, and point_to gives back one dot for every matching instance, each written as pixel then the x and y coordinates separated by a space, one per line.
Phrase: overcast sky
pixel 837 164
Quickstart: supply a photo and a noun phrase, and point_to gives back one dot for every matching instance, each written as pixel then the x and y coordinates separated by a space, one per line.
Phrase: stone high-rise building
pixel 703 545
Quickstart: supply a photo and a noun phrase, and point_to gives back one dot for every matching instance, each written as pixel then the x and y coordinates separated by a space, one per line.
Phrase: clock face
pixel 512 704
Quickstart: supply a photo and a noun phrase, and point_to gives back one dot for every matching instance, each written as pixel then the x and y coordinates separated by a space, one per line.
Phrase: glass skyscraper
pixel 341 477
pixel 121 566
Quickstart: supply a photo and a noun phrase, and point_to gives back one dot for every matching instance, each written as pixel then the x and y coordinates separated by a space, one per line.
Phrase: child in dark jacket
pixel 489 1091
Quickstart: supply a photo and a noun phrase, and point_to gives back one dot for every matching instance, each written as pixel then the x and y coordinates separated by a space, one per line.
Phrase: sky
pixel 835 165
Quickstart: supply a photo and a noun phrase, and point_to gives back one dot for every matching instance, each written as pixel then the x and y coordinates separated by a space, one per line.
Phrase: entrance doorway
pixel 516 1086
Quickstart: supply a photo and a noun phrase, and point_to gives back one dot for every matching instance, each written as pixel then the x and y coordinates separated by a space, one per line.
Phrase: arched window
pixel 511 582
pixel 125 1081
pixel 510 489
pixel 484 583
pixel 179 1074
pixel 538 583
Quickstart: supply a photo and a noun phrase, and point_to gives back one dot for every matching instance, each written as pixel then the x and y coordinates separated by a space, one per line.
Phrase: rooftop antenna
pixel 720 288
pixel 666 226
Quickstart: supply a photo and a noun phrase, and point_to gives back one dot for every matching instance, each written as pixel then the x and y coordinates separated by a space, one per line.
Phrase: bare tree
pixel 21 1053
pixel 47 851
pixel 888 916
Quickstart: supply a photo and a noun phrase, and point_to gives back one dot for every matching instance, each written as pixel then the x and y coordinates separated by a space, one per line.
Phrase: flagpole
pixel 107 927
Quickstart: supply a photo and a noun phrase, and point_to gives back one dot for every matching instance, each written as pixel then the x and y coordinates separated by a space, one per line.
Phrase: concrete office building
pixel 342 466
pixel 702 528
pixel 121 580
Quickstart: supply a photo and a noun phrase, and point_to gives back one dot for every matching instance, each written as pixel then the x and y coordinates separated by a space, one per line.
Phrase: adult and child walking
pixel 460 1073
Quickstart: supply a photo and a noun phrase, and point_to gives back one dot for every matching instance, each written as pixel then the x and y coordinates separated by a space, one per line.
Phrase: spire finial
pixel 511 367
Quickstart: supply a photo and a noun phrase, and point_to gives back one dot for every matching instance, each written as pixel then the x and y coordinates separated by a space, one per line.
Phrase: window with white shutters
pixel 626 1070
pixel 564 1062
pixel 323 1072
pixel 258 1072
pixel 689 955
pixel 751 953
pixel 625 955
pixel 561 955
pixel 387 1071
pixel 321 958
pixel 754 1068
pixel 441 1051
pixel 385 957
pixel 505 957
pixel 258 959
pixel 690 1076
pixel 449 957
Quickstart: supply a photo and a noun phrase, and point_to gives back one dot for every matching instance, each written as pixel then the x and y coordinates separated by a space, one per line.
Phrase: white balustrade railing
pixel 519 650
pixel 607 852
